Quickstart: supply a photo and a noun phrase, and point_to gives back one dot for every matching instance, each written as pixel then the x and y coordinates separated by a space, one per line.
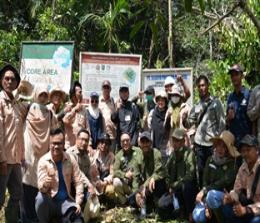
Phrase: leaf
pixel 136 29
pixel 188 5
pixel 202 5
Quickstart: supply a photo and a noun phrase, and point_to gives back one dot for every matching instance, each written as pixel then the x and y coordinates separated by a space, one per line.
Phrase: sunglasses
pixel 94 101
pixel 106 87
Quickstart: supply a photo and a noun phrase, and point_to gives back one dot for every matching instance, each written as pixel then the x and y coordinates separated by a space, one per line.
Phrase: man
pixel 12 118
pixel 237 120
pixel 149 186
pixel 126 116
pixel 57 171
pixel 253 109
pixel 107 107
pixel 243 203
pixel 80 152
pixel 123 168
pixel 180 177
pixel 75 118
pixel 209 120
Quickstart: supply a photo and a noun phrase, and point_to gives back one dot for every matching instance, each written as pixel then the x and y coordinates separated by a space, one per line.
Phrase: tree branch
pixel 220 19
pixel 250 14
pixel 205 14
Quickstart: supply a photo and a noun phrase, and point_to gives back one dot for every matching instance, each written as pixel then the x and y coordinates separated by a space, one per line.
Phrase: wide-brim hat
pixel 25 90
pixel 161 94
pixel 14 70
pixel 228 138
pixel 58 90
pixel 175 91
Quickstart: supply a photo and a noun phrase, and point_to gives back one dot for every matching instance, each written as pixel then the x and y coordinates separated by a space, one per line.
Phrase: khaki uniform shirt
pixel 244 180
pixel 12 118
pixel 107 108
pixel 71 173
pixel 83 161
pixel 253 109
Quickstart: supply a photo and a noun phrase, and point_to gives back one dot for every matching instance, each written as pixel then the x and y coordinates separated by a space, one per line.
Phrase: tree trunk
pixel 170 43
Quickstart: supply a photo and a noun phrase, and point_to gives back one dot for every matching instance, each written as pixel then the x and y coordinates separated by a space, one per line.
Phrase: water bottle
pixel 143 211
pixel 175 202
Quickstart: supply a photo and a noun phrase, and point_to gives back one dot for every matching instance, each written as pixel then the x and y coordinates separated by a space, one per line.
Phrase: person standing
pixel 107 107
pixel 75 118
pixel 237 120
pixel 209 119
pixel 39 122
pixel 253 109
pixel 94 119
pixel 126 116
pixel 12 118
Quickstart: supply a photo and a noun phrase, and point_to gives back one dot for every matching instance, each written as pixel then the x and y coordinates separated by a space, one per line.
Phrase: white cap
pixel 169 80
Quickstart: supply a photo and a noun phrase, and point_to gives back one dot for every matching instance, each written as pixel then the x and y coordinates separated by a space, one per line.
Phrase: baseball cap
pixel 235 67
pixel 149 90
pixel 94 94
pixel 249 140
pixel 178 133
pixel 104 137
pixel 106 83
pixel 146 135
pixel 123 86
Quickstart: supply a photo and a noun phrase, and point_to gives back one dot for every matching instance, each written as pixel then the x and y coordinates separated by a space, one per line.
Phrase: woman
pixel 178 112
pixel 158 125
pixel 39 122
pixel 57 100
pixel 219 176
pixel 101 170
pixel 95 119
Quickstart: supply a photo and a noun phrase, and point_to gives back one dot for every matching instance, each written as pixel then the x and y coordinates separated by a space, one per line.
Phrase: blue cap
pixel 214 199
pixel 94 94
pixel 198 213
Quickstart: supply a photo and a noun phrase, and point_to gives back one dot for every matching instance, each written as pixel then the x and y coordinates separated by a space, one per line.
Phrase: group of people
pixel 61 158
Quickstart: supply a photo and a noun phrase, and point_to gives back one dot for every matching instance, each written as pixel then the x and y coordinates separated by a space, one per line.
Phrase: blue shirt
pixel 62 194
pixel 240 125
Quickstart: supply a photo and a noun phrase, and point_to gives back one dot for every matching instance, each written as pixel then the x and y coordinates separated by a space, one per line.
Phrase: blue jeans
pixel 230 217
pixel 13 182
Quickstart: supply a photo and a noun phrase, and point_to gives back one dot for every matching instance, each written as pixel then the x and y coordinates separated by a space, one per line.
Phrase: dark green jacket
pixel 147 167
pixel 219 177
pixel 180 168
pixel 126 161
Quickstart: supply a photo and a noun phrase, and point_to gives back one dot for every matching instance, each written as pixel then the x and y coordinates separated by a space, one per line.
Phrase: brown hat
pixel 228 138
pixel 59 91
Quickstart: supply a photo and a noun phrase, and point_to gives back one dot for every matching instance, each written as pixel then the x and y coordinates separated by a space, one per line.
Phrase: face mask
pixel 175 99
pixel 149 97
